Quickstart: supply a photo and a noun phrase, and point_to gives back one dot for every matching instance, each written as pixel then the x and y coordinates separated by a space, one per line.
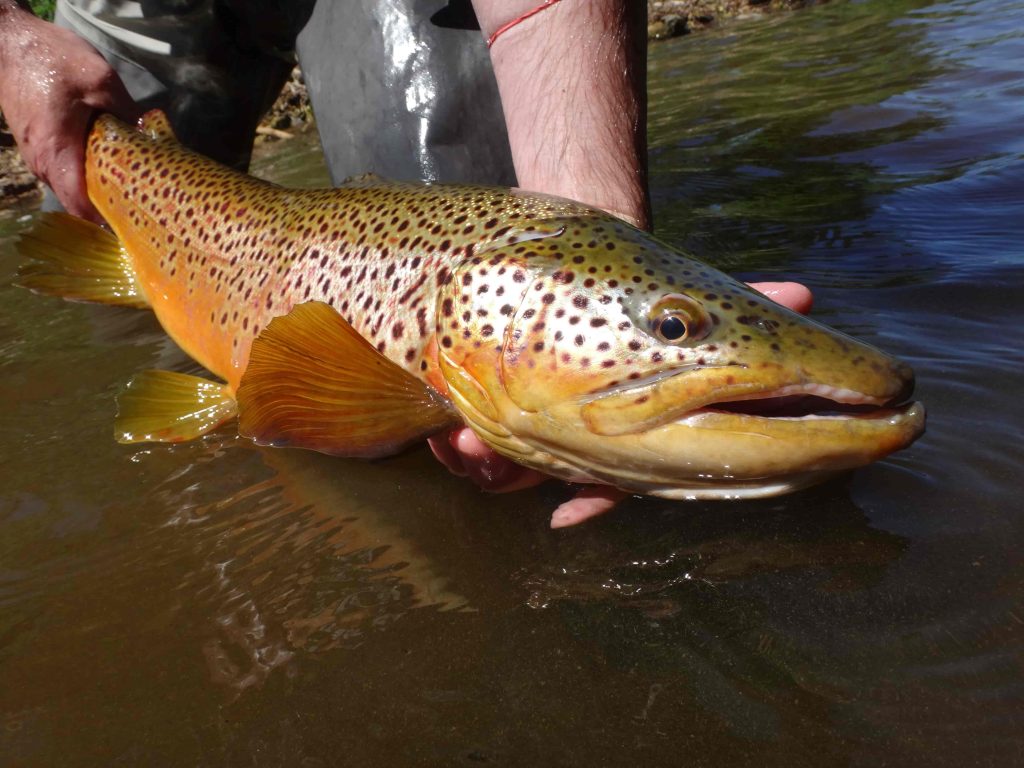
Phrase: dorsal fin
pixel 314 382
pixel 368 179
pixel 156 125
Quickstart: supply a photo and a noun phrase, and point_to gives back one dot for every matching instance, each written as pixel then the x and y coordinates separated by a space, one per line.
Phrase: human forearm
pixel 572 80
pixel 14 15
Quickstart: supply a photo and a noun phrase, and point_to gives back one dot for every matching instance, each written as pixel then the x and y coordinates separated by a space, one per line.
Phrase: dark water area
pixel 217 603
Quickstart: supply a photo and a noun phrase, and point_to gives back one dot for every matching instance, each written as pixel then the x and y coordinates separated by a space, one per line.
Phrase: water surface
pixel 216 603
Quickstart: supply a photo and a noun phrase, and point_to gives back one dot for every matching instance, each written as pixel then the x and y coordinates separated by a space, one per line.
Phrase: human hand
pixel 466 455
pixel 51 84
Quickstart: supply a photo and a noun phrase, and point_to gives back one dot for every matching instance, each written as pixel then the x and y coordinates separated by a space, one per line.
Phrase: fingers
pixel 589 502
pixel 791 295
pixel 63 167
pixel 465 454
pixel 66 177
pixel 108 94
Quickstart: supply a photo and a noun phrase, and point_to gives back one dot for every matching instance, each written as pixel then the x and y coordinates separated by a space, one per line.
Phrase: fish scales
pixel 220 253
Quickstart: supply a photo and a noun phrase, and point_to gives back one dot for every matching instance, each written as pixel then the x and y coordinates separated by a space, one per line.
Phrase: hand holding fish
pixel 52 83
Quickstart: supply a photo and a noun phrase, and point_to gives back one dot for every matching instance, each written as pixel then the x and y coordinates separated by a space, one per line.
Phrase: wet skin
pixel 466 455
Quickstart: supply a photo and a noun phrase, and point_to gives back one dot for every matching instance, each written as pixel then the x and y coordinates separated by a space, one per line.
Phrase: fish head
pixel 596 353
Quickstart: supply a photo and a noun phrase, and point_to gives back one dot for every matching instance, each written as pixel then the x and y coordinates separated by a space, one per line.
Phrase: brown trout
pixel 358 320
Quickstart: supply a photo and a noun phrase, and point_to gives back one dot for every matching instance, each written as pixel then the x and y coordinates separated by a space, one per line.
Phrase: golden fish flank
pixel 359 320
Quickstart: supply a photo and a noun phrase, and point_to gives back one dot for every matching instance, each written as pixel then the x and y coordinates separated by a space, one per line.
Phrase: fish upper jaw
pixel 678 393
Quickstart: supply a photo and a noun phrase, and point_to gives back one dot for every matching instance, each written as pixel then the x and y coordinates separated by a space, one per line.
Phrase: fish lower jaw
pixel 712 455
pixel 704 417
pixel 722 490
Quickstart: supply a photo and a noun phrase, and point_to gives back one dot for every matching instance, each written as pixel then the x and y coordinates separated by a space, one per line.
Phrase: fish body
pixel 567 339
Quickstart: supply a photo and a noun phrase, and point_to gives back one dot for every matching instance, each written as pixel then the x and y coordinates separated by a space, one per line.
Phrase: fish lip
pixel 886 412
pixel 840 395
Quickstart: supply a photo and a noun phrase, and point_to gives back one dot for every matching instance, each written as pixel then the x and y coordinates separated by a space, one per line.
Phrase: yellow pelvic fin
pixel 314 382
pixel 76 259
pixel 169 407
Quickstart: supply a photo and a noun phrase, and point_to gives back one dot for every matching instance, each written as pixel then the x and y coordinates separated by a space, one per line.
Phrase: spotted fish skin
pixel 219 253
pixel 567 339
pixel 577 380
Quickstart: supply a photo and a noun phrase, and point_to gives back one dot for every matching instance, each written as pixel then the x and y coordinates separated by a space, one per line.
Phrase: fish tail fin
pixel 76 259
pixel 169 407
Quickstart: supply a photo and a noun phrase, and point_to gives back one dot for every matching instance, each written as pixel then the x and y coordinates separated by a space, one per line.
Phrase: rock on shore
pixel 671 18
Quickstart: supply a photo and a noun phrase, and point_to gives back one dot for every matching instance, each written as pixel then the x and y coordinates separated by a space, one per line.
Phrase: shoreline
pixel 292 112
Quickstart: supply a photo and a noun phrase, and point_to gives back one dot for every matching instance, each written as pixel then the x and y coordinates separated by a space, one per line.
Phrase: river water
pixel 216 603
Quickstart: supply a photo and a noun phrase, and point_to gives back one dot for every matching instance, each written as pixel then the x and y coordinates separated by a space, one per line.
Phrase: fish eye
pixel 677 318
pixel 672 328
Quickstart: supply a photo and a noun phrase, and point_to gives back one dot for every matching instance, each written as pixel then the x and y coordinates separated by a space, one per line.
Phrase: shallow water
pixel 220 604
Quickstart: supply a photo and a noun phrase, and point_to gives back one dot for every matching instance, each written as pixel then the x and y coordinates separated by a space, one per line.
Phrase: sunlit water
pixel 220 604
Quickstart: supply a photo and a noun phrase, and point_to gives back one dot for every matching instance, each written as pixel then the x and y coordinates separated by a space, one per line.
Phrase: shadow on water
pixel 216 603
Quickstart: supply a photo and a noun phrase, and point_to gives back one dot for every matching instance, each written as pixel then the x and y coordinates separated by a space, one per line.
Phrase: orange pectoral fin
pixel 314 382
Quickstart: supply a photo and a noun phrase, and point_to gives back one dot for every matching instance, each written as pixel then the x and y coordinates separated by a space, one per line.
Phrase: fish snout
pixel 903 383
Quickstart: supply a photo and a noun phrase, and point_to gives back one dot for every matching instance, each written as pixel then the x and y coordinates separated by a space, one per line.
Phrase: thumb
pixel 112 96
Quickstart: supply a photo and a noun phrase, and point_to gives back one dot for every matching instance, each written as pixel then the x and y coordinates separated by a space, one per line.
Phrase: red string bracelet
pixel 505 27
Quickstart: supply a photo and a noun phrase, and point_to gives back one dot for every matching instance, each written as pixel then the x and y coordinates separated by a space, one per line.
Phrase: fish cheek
pixel 563 344
pixel 474 314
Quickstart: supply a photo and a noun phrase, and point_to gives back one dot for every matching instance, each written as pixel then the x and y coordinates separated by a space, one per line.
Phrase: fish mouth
pixel 797 402
pixel 762 442
pixel 740 394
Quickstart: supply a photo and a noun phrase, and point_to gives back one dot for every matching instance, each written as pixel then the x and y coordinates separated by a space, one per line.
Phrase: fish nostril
pixel 906 376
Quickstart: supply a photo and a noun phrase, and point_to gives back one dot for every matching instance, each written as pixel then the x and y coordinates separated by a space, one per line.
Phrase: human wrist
pixel 16 18
pixel 492 15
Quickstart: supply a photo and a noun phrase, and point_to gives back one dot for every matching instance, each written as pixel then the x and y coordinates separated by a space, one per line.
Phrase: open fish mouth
pixel 735 394
pixel 810 401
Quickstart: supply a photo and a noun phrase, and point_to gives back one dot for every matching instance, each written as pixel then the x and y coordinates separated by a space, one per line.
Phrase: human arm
pixel 51 84
pixel 572 80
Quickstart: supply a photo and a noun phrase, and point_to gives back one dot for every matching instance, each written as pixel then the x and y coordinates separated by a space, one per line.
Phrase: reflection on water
pixel 218 603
